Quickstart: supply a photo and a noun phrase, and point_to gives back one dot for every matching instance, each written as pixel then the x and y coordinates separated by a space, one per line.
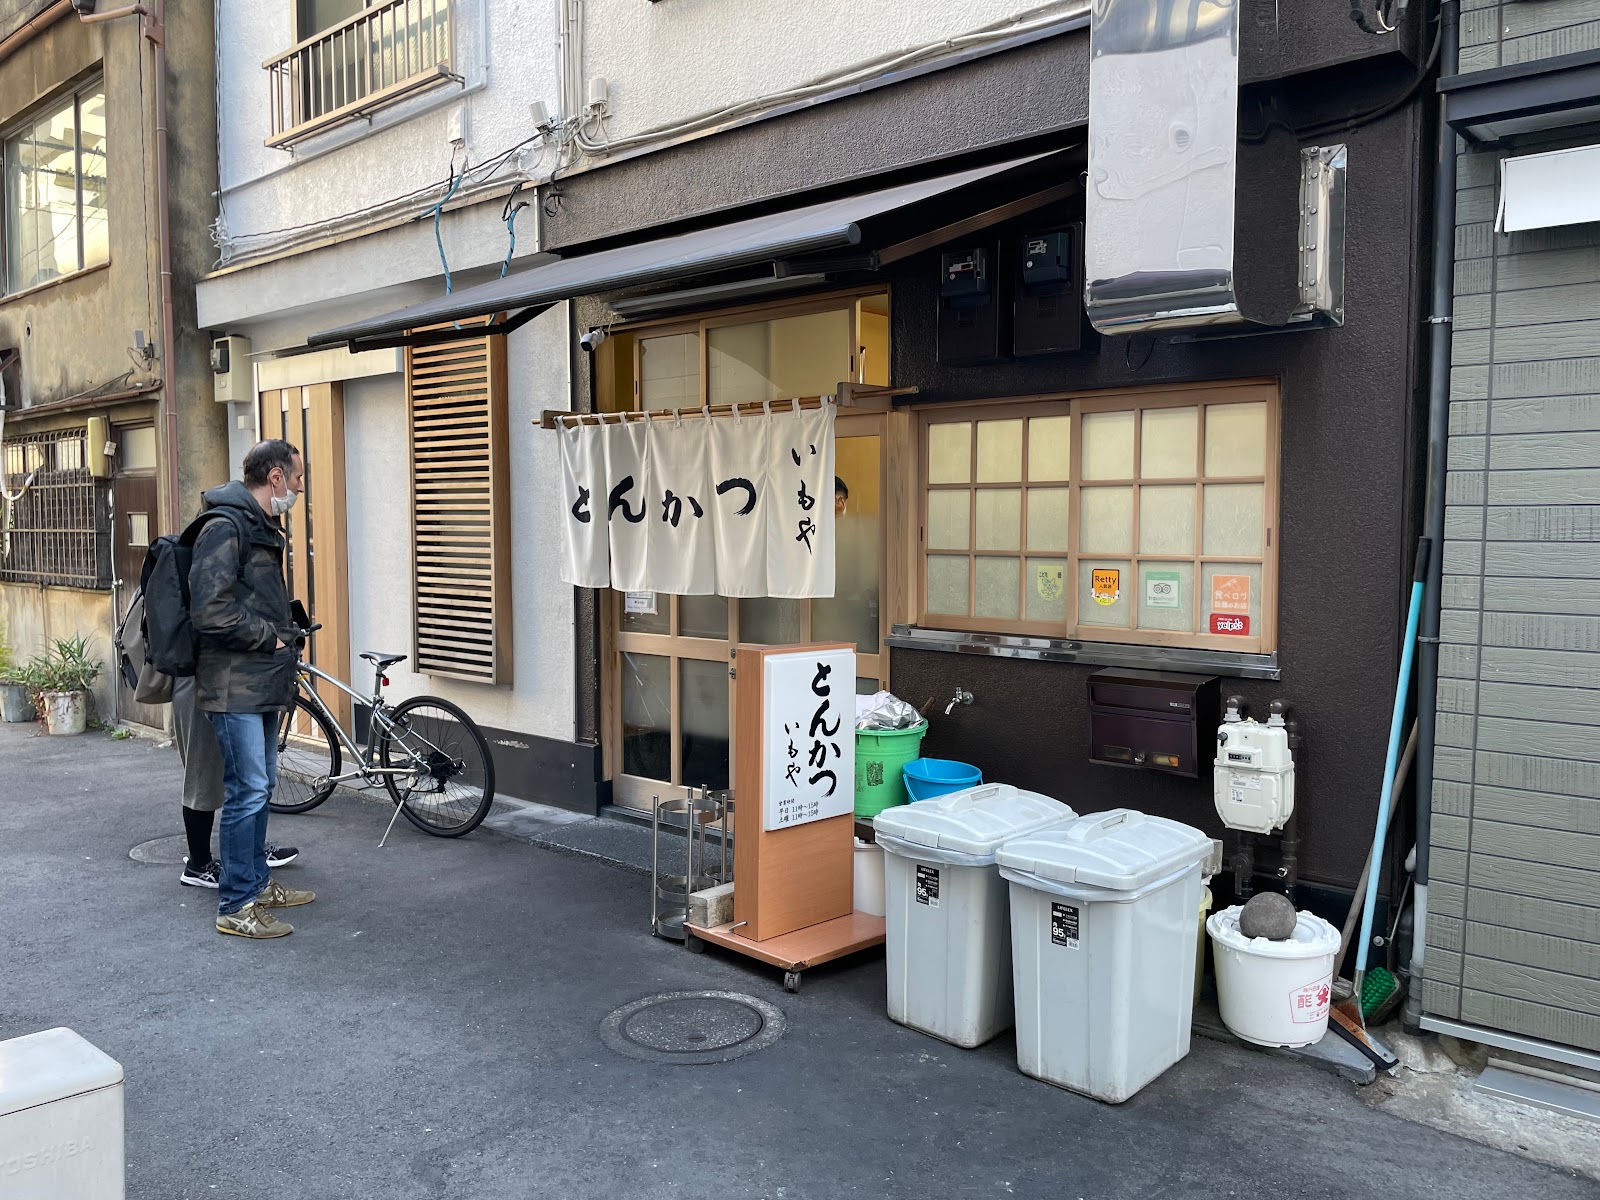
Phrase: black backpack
pixel 171 644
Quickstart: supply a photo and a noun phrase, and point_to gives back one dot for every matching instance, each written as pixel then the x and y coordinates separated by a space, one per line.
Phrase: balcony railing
pixel 383 53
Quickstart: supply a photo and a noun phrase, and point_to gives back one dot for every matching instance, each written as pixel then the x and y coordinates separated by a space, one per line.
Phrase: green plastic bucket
pixel 881 755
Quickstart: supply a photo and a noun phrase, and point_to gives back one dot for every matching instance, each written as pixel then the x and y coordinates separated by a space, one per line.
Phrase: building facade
pixel 1513 901
pixel 972 130
pixel 110 428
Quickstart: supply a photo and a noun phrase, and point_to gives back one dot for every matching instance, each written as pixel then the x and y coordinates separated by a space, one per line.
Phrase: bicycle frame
pixel 380 722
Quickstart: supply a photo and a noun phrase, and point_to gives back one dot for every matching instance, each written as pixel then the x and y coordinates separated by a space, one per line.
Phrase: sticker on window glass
pixel 639 603
pixel 1230 604
pixel 1106 585
pixel 1049 582
pixel 1161 589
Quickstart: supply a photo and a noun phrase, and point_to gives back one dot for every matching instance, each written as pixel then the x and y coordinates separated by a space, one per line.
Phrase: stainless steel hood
pixel 1187 228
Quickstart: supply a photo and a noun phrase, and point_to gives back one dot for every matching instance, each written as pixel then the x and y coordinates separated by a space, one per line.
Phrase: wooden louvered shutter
pixel 460 512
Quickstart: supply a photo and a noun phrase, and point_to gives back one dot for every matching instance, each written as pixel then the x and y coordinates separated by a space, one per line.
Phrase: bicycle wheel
pixel 308 754
pixel 450 787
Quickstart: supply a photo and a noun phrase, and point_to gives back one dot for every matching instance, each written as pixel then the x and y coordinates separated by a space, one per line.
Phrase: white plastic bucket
pixel 66 713
pixel 1274 993
pixel 869 878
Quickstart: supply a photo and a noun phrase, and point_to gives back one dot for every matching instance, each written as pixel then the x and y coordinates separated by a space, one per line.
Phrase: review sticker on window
pixel 1106 586
pixel 1230 605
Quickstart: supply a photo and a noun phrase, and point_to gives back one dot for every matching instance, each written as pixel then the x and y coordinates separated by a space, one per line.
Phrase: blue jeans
pixel 249 744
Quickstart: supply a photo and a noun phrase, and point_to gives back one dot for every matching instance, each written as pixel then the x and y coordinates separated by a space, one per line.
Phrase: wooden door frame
pixel 674 646
pixel 320 437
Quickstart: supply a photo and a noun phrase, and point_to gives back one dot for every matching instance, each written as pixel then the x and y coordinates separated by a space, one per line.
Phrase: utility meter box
pixel 1152 719
pixel 973 321
pixel 1254 774
pixel 232 378
pixel 60 1119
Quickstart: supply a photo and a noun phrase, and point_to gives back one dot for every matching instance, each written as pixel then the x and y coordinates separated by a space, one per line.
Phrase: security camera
pixel 590 342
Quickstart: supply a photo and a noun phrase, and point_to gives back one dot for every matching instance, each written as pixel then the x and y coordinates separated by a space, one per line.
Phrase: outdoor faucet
pixel 962 696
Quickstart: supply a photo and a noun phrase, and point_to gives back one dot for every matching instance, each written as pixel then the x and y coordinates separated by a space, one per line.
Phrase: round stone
pixel 161 852
pixel 692 1027
pixel 1268 915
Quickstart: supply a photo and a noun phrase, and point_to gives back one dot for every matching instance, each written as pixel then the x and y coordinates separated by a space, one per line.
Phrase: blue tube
pixel 1396 722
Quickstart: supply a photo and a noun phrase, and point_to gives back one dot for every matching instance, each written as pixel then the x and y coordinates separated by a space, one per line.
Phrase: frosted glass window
pixel 669 371
pixel 1166 596
pixel 1236 439
pixel 808 355
pixel 999 451
pixel 950 452
pixel 1049 525
pixel 1046 589
pixel 1166 520
pixel 999 519
pixel 772 621
pixel 948 584
pixel 1108 445
pixel 1231 591
pixel 703 616
pixel 998 584
pixel 949 520
pixel 1049 449
pixel 1234 518
pixel 1169 445
pixel 1105 520
pixel 138 449
pixel 1104 586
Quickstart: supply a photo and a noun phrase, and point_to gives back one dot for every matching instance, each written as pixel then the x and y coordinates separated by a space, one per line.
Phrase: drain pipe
pixel 153 27
pixel 1443 298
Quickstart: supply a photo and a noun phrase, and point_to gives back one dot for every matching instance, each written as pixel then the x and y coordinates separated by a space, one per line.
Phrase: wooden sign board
pixel 801 872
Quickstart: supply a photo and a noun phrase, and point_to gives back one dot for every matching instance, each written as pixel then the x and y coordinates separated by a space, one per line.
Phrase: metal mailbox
pixel 1156 720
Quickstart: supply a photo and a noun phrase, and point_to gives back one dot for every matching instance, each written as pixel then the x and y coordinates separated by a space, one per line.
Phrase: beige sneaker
pixel 253 921
pixel 275 895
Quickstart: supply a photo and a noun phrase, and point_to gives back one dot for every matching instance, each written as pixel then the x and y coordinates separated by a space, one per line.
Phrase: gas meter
pixel 1254 772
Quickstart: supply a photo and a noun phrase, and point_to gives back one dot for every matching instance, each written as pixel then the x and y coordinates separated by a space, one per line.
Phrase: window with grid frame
pixel 1127 517
pixel 57 532
pixel 56 207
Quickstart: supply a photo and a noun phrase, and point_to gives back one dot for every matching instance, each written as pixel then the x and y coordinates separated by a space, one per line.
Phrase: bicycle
pixel 425 750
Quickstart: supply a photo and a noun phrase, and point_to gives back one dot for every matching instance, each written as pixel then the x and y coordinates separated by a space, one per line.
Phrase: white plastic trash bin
pixel 1102 930
pixel 948 941
pixel 1274 993
pixel 869 878
pixel 60 1119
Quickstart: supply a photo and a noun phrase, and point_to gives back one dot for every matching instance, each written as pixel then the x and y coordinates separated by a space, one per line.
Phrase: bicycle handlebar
pixel 305 633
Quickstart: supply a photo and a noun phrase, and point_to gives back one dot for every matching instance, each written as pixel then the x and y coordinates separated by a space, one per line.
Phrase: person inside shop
pixel 841 497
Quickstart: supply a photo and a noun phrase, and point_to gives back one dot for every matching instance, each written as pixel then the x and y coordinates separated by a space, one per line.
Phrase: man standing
pixel 244 678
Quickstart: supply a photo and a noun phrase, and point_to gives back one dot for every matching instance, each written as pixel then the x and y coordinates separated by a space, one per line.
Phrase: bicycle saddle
pixel 382 660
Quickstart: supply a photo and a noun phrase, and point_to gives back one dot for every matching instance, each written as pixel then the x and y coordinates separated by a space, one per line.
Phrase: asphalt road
pixel 432 1030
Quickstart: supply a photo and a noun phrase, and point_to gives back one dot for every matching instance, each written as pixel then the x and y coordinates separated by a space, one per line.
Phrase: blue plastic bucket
pixel 930 777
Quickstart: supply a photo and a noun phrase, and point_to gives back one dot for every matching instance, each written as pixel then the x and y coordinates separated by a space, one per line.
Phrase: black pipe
pixel 1443 298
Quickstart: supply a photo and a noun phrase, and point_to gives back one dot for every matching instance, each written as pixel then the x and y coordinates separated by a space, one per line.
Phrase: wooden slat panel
pixel 456 408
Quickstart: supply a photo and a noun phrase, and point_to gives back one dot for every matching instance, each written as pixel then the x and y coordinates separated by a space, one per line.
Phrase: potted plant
pixel 16 692
pixel 61 679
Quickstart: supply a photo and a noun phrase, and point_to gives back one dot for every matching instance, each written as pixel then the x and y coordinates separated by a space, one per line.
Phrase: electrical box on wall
pixel 1048 310
pixel 1254 774
pixel 972 317
pixel 231 370
pixel 1152 719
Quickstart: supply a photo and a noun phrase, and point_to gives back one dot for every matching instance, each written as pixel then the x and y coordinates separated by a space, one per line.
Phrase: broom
pixel 1348 1015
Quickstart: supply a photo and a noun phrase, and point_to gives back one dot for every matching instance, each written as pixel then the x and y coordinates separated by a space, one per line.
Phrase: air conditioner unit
pixel 233 378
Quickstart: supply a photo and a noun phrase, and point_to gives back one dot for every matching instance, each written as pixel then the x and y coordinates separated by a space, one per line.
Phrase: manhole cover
pixel 161 852
pixel 692 1028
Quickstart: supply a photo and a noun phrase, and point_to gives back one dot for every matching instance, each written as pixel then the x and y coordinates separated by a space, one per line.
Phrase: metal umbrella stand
pixel 669 894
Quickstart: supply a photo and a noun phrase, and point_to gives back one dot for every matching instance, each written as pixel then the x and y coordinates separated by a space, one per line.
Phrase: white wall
pixel 666 62
pixel 507 51
pixel 377 490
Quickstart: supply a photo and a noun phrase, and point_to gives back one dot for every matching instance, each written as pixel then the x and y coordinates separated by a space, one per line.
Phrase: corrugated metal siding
pixel 1513 932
